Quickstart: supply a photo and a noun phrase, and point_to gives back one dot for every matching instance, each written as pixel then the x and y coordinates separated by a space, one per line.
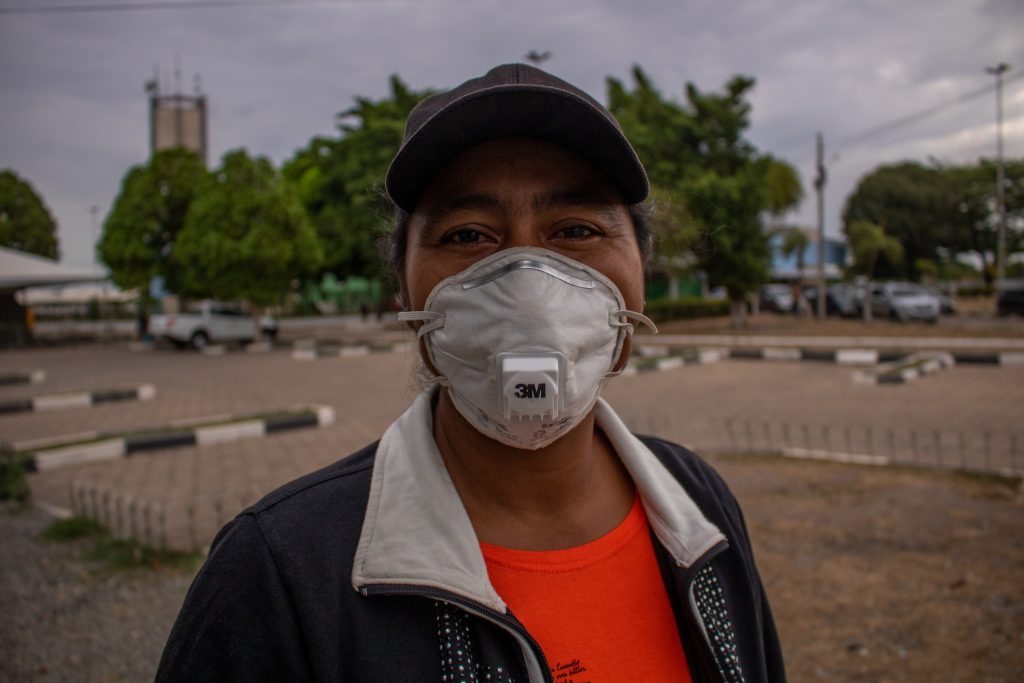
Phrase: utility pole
pixel 998 72
pixel 819 186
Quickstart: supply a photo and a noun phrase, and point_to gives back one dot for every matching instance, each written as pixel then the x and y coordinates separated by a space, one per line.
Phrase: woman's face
pixel 520 192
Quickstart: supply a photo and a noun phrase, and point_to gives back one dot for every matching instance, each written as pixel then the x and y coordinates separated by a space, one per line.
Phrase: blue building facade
pixel 786 267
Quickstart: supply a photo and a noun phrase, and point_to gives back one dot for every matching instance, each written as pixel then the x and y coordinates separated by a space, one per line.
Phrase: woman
pixel 507 527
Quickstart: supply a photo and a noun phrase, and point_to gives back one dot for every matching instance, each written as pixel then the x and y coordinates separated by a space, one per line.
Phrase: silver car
pixel 904 301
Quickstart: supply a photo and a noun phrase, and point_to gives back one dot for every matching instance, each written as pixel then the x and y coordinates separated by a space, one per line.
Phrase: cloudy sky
pixel 73 113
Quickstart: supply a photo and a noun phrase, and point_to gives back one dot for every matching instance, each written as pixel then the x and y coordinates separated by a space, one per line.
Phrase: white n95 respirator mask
pixel 523 340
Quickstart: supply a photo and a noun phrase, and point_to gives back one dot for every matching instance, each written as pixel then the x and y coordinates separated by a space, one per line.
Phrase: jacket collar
pixel 417 533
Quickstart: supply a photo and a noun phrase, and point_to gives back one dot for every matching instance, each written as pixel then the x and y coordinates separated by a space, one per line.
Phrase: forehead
pixel 517 170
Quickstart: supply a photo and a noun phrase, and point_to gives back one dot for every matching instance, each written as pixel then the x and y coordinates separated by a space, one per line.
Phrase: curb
pixel 77 399
pixel 843 356
pixel 1006 359
pixel 32 377
pixel 912 367
pixel 312 349
pixel 660 358
pixel 126 446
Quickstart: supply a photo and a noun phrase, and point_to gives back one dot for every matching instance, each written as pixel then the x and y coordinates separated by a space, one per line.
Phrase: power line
pixel 924 114
pixel 167 5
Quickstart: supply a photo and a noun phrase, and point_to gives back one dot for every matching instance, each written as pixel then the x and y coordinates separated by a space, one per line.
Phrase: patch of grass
pixel 72 529
pixel 111 554
pixel 13 485
pixel 119 554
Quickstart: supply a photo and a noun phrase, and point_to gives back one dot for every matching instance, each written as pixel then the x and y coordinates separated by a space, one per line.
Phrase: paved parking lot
pixel 180 497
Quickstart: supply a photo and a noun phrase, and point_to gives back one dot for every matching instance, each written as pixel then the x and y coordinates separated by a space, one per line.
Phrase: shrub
pixel 686 308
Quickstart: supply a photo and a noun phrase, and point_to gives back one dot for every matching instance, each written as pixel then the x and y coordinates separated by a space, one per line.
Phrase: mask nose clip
pixel 531 385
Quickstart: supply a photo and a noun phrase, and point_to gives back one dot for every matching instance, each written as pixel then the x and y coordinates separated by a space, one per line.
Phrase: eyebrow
pixel 478 201
pixel 581 196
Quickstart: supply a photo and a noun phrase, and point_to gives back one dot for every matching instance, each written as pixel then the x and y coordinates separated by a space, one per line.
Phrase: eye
pixel 578 231
pixel 463 236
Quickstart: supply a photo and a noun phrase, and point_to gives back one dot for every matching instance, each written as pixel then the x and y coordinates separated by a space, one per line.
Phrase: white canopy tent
pixel 19 270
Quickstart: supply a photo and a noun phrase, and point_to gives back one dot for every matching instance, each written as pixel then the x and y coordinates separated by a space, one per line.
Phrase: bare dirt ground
pixel 888 575
pixel 875 575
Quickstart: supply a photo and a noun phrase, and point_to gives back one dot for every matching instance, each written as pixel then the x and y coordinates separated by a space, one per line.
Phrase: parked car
pixel 903 301
pixel 209 321
pixel 777 297
pixel 1010 301
pixel 840 299
pixel 946 306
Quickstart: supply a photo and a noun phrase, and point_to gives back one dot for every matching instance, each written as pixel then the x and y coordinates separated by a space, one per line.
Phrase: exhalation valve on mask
pixel 532 385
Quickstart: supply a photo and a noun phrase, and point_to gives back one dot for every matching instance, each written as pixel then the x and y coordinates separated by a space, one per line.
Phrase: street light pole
pixel 998 72
pixel 819 186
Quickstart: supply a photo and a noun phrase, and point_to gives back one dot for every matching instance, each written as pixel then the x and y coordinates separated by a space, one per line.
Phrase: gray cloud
pixel 74 112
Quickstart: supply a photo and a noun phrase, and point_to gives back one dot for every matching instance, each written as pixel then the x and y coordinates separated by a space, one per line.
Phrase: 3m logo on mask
pixel 530 385
pixel 531 390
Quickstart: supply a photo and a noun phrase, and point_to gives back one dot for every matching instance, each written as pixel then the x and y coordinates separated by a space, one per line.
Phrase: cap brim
pixel 540 112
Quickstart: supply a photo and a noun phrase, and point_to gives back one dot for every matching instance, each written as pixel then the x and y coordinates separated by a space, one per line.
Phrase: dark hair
pixel 392 246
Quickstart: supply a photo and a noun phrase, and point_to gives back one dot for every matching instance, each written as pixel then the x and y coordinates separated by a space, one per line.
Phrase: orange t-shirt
pixel 599 611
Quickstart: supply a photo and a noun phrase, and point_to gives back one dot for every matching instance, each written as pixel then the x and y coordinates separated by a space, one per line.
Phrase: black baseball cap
pixel 512 100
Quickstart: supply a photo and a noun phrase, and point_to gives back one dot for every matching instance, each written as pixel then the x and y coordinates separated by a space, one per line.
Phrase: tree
pixel 937 211
pixel 974 222
pixel 868 241
pixel 141 230
pixel 911 202
pixel 246 236
pixel 340 181
pixel 721 189
pixel 25 222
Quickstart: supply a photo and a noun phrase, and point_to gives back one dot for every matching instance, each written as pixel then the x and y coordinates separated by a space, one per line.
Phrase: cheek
pixel 630 281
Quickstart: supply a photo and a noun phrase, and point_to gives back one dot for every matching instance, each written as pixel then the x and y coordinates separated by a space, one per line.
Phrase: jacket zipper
pixel 494 617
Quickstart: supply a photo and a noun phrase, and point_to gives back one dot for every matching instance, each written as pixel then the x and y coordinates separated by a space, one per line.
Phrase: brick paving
pixel 180 497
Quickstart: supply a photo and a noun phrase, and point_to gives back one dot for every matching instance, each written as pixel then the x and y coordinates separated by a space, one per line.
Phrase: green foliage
pixel 909 203
pixel 927 268
pixel 868 242
pixel 25 222
pixel 686 308
pixel 117 554
pixel 142 228
pixel 339 181
pixel 72 529
pixel 711 186
pixel 13 485
pixel 246 235
pixel 938 210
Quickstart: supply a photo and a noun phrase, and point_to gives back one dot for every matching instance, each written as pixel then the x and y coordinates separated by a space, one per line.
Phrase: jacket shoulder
pixel 351 473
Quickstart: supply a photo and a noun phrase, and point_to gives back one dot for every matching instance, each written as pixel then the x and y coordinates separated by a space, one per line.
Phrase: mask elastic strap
pixel 614 322
pixel 434 320
pixel 639 317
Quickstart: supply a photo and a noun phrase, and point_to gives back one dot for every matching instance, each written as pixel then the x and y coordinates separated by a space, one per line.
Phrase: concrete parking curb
pixel 31 377
pixel 908 369
pixel 1009 359
pixel 77 399
pixel 660 358
pixel 842 356
pixel 312 349
pixel 126 446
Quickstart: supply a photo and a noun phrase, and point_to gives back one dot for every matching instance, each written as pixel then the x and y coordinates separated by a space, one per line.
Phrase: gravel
pixel 64 619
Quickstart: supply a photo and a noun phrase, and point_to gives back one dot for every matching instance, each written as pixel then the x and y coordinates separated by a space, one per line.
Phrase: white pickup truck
pixel 209 322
